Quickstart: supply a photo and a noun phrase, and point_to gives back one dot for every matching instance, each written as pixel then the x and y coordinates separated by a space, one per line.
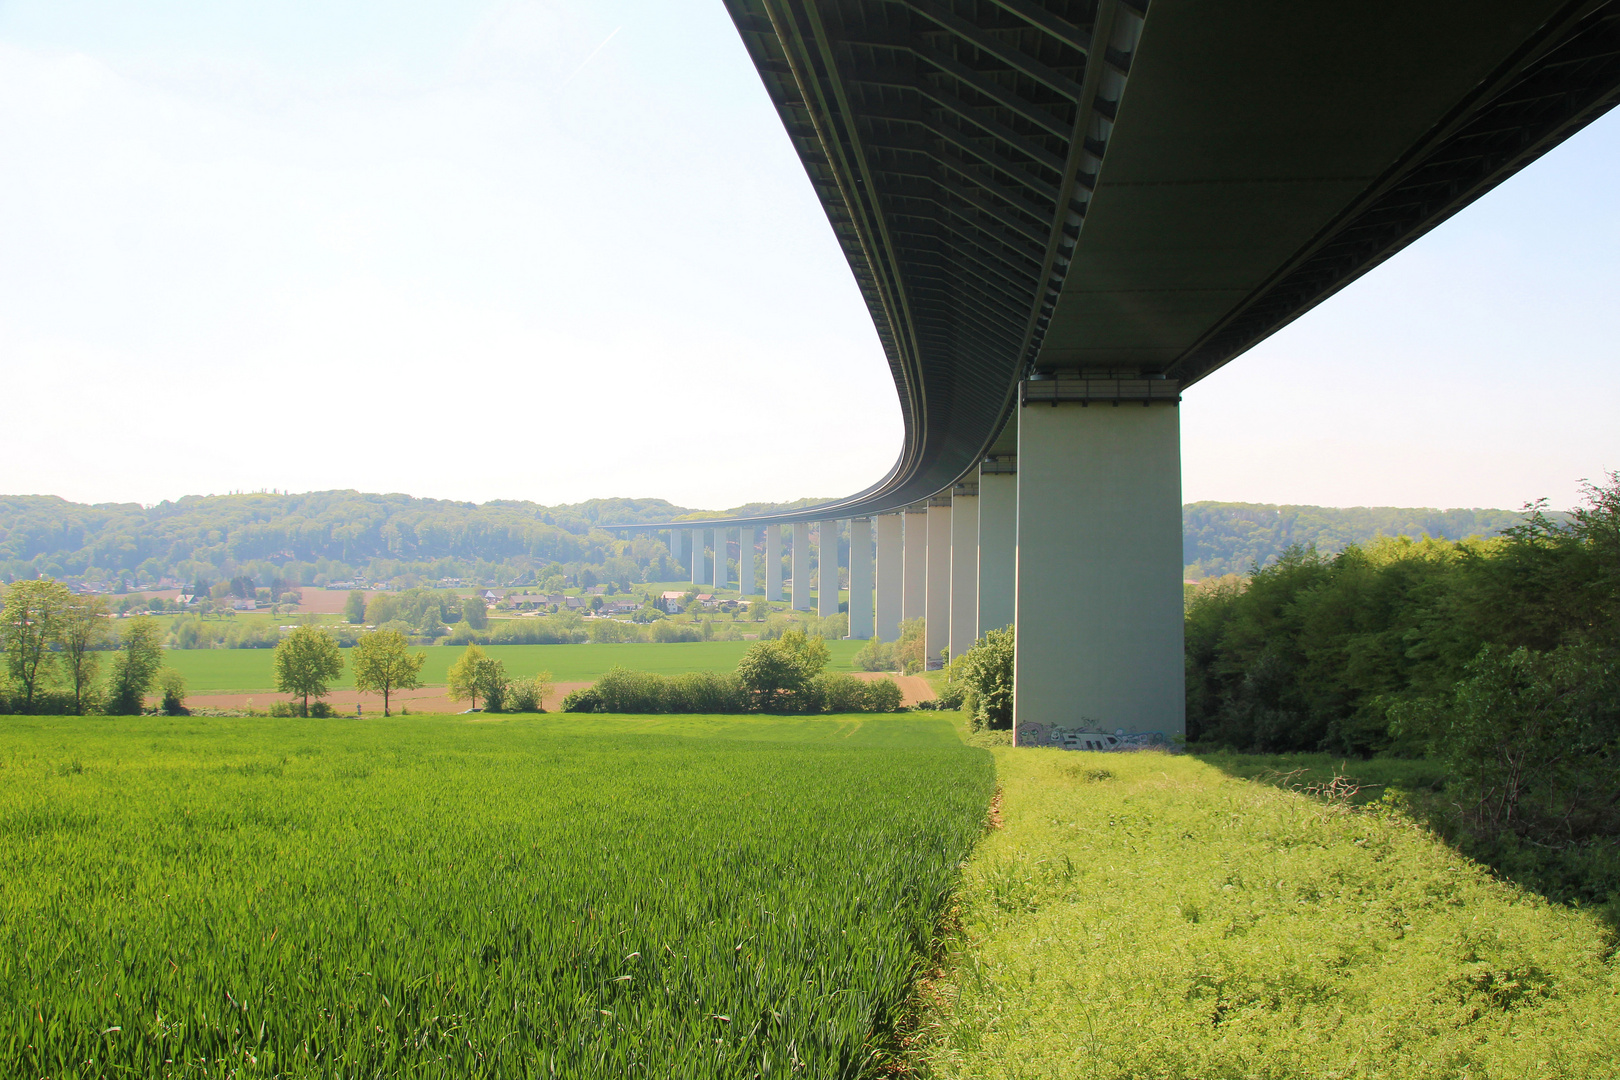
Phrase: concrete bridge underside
pixel 1061 213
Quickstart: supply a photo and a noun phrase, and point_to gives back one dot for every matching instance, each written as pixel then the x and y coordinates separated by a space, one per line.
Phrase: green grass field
pixel 691 897
pixel 1155 916
pixel 250 671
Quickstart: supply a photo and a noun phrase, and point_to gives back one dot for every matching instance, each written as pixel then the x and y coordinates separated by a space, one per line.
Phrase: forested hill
pixel 325 535
pixel 334 535
pixel 1229 538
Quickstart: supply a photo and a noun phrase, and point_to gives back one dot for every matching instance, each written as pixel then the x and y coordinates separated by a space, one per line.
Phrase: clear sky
pixel 556 250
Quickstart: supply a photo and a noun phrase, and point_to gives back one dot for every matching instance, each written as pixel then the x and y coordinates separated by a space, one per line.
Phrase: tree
pixel 463 675
pixel 383 663
pixel 31 622
pixel 490 676
pixel 774 673
pixel 173 685
pixel 354 608
pixel 135 667
pixel 306 660
pixel 475 613
pixel 83 632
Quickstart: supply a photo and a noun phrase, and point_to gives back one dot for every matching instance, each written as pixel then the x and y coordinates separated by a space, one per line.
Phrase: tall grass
pixel 433 897
pixel 1148 916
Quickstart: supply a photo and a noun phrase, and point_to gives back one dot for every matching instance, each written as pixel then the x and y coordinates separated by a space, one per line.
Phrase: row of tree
pixel 54 642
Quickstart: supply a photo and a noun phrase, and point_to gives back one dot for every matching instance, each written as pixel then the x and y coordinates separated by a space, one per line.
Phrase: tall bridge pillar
pixel 695 539
pixel 722 569
pixel 827 569
pixel 998 542
pixel 773 563
pixel 801 566
pixel 891 568
pixel 937 636
pixel 964 567
pixel 914 598
pixel 1099 556
pixel 860 578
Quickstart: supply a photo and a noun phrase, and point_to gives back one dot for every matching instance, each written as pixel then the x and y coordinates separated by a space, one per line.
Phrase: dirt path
pixel 436 699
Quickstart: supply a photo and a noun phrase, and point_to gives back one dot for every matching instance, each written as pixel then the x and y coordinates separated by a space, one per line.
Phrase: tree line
pixel 1499 657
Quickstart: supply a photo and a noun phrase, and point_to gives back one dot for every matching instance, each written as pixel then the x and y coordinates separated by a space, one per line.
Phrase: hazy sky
pixel 556 250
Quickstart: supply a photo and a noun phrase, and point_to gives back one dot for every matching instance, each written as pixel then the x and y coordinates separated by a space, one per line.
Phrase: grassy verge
pixel 1156 916
pixel 602 897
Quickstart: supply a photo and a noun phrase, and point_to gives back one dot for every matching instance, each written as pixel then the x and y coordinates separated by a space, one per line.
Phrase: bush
pixel 529 695
pixel 986 677
pixel 613 632
pixel 881 695
pixel 835 693
pixel 173 686
pixel 321 710
pixel 666 631
pixel 283 709
pixel 875 655
pixel 584 699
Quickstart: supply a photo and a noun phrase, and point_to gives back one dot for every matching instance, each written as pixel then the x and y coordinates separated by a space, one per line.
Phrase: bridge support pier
pixel 937 637
pixel 773 563
pixel 890 575
pixel 914 597
pixel 964 567
pixel 998 543
pixel 801 566
pixel 1099 559
pixel 695 538
pixel 722 570
pixel 827 569
pixel 860 579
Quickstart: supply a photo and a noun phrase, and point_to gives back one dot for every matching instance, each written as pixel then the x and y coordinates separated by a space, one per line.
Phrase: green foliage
pixel 135 667
pixel 529 695
pixel 262 896
pixel 1232 538
pixel 463 677
pixel 908 650
pixel 31 624
pixel 354 608
pixel 1315 651
pixel 306 662
pixel 876 655
pixel 986 675
pixel 1142 915
pixel 173 687
pixel 384 663
pixel 475 613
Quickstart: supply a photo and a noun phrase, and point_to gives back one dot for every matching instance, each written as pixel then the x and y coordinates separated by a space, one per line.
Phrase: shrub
pixel 173 686
pixel 835 693
pixel 529 695
pixel 283 708
pixel 584 699
pixel 881 695
pixel 666 631
pixel 613 632
pixel 986 676
pixel 875 655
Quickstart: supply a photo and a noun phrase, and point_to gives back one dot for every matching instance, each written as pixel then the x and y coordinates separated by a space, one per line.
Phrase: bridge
pixel 1063 213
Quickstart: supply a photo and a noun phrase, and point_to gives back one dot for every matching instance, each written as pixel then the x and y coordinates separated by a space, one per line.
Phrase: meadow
pixel 1158 916
pixel 691 897
pixel 248 671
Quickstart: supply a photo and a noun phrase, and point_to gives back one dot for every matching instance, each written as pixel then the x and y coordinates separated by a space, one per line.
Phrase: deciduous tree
pixel 31 622
pixel 306 660
pixel 383 663
pixel 84 631
pixel 135 667
pixel 354 608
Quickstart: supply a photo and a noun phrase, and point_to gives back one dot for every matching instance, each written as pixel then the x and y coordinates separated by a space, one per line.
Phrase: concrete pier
pixel 773 563
pixel 860 579
pixel 964 567
pixel 827 569
pixel 914 597
pixel 938 636
pixel 891 575
pixel 998 542
pixel 801 566
pixel 1099 605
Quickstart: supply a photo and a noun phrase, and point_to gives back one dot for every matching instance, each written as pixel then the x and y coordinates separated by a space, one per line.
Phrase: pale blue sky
pixel 553 250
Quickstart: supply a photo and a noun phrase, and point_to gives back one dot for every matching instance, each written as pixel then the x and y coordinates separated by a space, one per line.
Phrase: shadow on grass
pixel 1585 875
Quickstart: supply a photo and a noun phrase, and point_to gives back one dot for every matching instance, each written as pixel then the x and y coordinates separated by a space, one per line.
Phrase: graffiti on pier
pixel 1090 738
